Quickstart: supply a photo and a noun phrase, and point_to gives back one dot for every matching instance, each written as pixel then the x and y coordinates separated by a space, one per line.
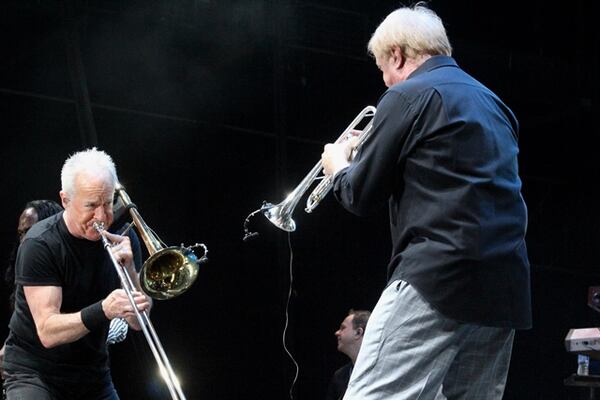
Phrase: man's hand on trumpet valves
pixel 336 156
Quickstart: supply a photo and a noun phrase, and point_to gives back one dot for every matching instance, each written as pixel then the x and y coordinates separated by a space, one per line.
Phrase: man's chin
pixel 92 236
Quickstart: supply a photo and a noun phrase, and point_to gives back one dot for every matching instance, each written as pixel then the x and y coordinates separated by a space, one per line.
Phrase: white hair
pixel 416 31
pixel 91 161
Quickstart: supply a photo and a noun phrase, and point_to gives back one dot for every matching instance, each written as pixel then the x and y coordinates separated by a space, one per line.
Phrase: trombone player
pixel 443 155
pixel 67 292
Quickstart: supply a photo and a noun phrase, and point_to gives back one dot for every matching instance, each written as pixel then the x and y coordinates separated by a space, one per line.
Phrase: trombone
pixel 167 273
pixel 170 270
pixel 280 214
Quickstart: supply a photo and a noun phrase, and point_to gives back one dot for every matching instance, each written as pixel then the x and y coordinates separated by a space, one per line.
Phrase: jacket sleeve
pixel 374 173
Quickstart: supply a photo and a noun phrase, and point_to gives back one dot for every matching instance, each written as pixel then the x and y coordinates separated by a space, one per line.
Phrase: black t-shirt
pixel 51 256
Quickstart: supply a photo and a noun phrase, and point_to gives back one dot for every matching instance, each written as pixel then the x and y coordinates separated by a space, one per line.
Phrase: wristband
pixel 93 317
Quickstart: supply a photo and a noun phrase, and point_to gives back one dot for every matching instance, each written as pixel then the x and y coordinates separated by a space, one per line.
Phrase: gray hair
pixel 415 30
pixel 89 161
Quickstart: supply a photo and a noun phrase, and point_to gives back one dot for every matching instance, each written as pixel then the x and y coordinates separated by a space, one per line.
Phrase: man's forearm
pixel 59 329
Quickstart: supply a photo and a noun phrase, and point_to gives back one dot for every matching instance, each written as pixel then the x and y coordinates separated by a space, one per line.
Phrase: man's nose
pixel 100 214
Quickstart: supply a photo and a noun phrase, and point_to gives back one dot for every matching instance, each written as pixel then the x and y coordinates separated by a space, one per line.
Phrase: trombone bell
pixel 168 273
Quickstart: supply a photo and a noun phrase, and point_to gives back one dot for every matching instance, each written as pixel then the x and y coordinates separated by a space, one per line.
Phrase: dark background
pixel 210 107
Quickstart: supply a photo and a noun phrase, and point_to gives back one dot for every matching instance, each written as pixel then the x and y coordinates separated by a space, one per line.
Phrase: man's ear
pixel 398 56
pixel 359 332
pixel 64 198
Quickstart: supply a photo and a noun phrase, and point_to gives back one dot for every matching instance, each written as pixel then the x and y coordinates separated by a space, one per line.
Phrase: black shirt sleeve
pixel 35 266
pixel 371 178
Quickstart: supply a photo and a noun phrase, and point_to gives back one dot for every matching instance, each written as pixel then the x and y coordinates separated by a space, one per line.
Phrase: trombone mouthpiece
pixel 99 226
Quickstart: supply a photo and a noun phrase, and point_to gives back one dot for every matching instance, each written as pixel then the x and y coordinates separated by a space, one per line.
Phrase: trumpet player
pixel 67 292
pixel 443 155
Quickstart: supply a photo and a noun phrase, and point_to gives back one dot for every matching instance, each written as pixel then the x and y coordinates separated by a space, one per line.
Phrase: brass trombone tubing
pixel 148 329
pixel 187 264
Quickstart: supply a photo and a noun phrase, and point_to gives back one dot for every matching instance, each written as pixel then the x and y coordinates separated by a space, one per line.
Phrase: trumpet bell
pixel 169 272
pixel 279 216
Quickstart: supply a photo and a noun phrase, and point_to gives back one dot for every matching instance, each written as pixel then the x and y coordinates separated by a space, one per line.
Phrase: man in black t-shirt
pixel 38 210
pixel 67 292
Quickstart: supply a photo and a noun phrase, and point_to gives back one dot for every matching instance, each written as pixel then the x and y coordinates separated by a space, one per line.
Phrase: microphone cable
pixel 291 272
pixel 251 235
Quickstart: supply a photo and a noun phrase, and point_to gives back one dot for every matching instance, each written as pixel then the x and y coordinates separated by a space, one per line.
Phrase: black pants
pixel 29 386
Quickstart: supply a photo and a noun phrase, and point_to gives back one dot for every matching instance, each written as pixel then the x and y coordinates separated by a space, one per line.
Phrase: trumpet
pixel 321 190
pixel 280 214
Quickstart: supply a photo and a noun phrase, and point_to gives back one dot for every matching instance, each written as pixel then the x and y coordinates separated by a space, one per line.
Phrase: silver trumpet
pixel 280 214
pixel 321 190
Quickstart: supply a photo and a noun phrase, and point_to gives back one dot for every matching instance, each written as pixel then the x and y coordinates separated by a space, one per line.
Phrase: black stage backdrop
pixel 211 107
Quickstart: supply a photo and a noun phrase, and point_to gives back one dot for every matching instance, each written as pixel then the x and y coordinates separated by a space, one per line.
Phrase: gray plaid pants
pixel 412 352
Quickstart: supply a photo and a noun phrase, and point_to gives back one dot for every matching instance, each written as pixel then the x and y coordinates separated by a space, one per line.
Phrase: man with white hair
pixel 443 155
pixel 67 292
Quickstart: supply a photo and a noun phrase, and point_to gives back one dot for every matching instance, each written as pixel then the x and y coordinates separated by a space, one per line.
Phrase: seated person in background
pixel 349 338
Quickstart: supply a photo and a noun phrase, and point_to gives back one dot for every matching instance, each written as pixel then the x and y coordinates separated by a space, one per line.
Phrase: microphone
pixel 247 234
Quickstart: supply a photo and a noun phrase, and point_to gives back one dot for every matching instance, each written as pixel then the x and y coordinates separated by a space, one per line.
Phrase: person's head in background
pixel 33 212
pixel 350 334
